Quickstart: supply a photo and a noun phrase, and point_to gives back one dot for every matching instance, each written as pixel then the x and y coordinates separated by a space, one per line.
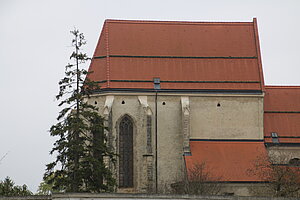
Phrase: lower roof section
pixel 185 73
pixel 282 99
pixel 226 161
pixel 282 114
pixel 189 85
pixel 177 73
pixel 284 124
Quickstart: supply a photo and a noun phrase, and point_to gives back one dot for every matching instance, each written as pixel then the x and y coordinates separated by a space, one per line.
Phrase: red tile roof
pixel 284 124
pixel 282 113
pixel 282 98
pixel 227 161
pixel 185 55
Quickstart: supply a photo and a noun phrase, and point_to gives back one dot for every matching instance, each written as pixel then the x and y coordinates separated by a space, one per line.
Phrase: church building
pixel 175 94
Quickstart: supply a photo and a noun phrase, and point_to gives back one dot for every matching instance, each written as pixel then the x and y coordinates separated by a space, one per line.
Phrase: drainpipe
pixel 156 82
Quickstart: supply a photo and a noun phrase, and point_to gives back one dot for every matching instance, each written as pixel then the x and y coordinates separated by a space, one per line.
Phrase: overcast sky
pixel 35 46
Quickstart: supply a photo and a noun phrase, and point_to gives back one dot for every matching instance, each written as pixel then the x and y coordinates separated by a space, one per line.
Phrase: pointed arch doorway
pixel 126 152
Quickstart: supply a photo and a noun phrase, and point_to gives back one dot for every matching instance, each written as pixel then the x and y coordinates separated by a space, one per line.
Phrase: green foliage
pixel 46 189
pixel 81 145
pixel 8 188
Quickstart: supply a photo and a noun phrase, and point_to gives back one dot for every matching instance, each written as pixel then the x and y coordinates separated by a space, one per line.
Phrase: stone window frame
pixel 117 127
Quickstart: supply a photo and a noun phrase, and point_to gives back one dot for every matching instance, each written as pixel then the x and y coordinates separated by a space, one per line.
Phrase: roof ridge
pixel 175 22
pixel 283 86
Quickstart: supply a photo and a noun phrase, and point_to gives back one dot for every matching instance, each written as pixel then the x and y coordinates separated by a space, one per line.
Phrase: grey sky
pixel 35 46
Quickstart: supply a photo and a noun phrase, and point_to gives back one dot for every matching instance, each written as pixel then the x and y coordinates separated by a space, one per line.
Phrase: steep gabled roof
pixel 282 113
pixel 185 55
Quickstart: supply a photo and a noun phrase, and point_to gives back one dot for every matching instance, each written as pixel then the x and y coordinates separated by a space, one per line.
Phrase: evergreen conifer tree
pixel 8 189
pixel 81 145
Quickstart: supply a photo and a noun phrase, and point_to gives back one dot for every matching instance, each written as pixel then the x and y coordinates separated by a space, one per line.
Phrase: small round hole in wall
pixel 123 102
pixel 163 103
pixel 218 105
pixel 96 102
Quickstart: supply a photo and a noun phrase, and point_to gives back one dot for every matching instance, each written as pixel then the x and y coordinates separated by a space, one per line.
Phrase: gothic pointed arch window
pixel 126 152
